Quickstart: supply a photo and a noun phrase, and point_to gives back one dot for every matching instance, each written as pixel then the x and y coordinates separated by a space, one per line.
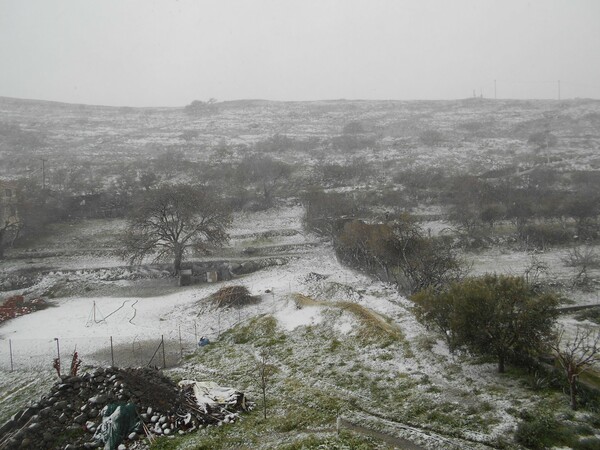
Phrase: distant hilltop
pixel 249 103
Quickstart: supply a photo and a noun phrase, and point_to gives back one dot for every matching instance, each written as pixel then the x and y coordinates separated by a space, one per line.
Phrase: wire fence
pixel 121 351
pixel 162 348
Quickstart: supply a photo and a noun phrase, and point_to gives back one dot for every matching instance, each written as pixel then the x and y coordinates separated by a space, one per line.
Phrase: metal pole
pixel 58 352
pixel 11 357
pixel 112 354
pixel 162 342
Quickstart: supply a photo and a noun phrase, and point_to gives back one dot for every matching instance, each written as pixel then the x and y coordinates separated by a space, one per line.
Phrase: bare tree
pixel 576 356
pixel 265 370
pixel 582 258
pixel 9 233
pixel 10 219
pixel 170 221
pixel 266 173
pixel 399 253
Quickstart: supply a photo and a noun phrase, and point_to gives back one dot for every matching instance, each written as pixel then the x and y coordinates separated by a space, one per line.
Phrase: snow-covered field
pixel 420 369
pixel 88 322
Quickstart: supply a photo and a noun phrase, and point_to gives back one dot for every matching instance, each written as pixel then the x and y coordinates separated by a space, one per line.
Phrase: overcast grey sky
pixel 170 52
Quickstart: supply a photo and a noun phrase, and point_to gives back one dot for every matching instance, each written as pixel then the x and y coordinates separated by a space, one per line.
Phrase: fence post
pixel 58 352
pixel 112 354
pixel 133 349
pixel 11 356
pixel 162 342
pixel 180 344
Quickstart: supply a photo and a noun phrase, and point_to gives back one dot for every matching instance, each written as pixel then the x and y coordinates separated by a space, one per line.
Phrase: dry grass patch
pixel 303 301
pixel 374 326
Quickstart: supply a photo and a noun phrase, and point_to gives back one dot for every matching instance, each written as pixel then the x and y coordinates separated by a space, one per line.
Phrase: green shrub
pixel 261 330
pixel 592 314
pixel 542 235
pixel 345 441
pixel 291 421
pixel 334 345
pixel 591 443
pixel 541 430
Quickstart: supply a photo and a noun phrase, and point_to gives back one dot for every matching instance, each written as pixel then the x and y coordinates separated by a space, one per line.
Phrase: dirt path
pixel 397 442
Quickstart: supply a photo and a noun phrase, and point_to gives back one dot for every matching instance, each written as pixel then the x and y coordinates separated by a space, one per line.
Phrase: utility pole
pixel 559 89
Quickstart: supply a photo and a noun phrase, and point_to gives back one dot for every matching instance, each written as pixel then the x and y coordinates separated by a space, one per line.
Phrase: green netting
pixel 118 420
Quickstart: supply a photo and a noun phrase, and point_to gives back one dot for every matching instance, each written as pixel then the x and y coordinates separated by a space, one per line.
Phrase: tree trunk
pixel 2 230
pixel 267 195
pixel 264 395
pixel 500 363
pixel 573 392
pixel 178 250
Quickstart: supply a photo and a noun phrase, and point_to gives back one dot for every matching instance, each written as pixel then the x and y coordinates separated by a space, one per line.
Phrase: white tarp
pixel 209 393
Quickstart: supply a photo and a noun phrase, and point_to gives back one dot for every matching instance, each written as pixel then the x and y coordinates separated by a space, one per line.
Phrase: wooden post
pixel 180 344
pixel 112 354
pixel 162 342
pixel 11 356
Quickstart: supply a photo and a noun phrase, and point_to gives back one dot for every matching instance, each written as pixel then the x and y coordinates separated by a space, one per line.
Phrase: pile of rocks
pixel 68 417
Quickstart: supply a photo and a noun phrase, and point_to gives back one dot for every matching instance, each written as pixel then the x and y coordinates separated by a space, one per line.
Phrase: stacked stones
pixel 70 414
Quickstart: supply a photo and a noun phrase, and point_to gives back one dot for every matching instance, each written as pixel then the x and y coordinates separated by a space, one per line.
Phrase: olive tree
pixel 169 221
pixel 494 315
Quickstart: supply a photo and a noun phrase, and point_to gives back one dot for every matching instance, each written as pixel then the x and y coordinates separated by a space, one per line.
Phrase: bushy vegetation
pixel 400 253
pixel 514 176
pixel 498 316
pixel 541 430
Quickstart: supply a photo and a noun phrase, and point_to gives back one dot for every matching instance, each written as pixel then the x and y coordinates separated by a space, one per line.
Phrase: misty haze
pixel 299 225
